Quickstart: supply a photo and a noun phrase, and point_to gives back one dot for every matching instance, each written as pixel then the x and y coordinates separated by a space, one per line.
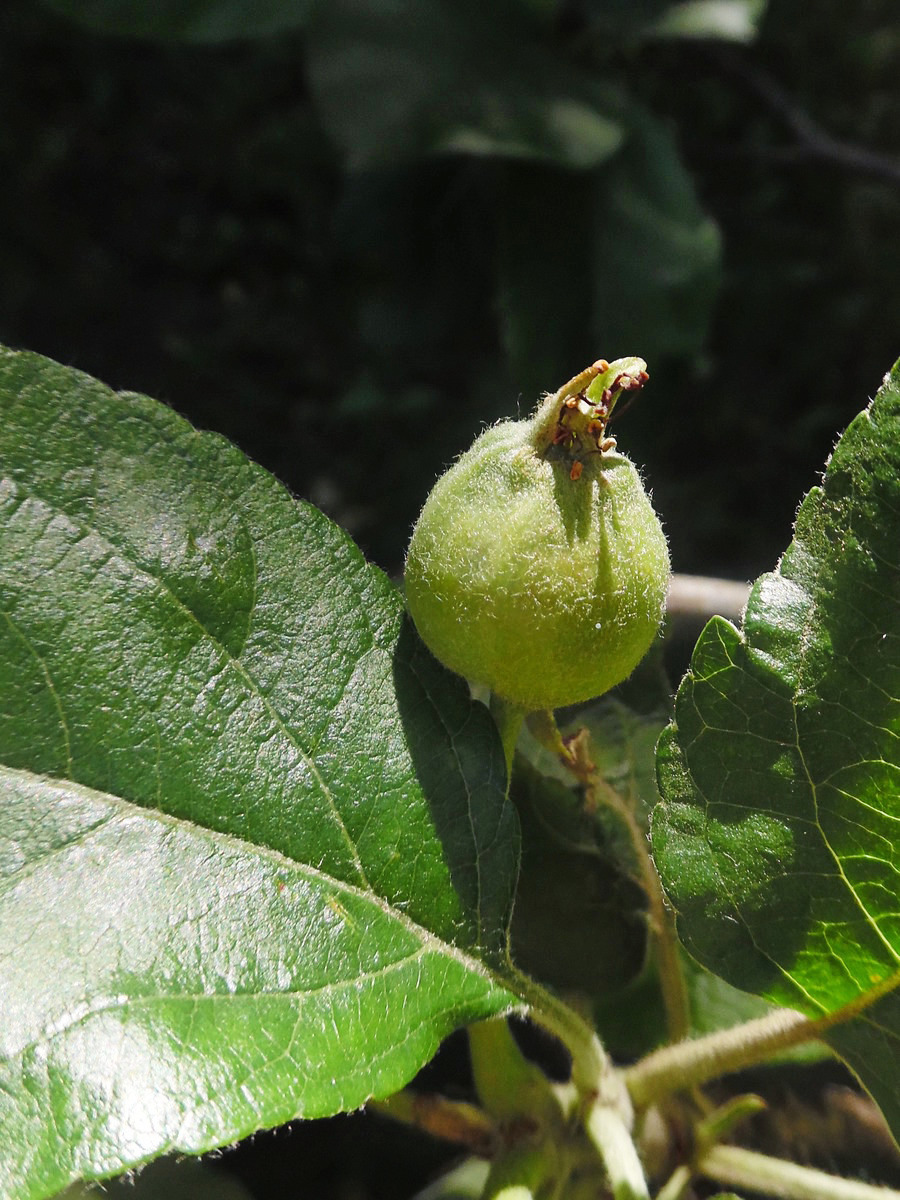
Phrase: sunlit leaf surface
pixel 254 848
pixel 779 833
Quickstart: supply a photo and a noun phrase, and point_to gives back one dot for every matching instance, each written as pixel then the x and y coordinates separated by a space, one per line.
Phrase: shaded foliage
pixel 176 217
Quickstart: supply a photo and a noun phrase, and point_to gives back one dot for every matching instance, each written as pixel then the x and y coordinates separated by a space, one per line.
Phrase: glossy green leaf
pixel 452 76
pixel 186 20
pixel 777 838
pixel 254 846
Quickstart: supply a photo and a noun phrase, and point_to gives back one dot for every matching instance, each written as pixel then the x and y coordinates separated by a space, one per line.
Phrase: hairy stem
pixel 453 1120
pixel 676 1185
pixel 590 1064
pixel 574 754
pixel 508 1085
pixel 661 924
pixel 607 1131
pixel 735 1167
pixel 521 1174
pixel 508 718
pixel 691 1063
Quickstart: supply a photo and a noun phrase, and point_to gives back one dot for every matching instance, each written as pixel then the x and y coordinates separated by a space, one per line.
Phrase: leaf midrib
pixel 123 1004
pixel 241 671
pixel 429 942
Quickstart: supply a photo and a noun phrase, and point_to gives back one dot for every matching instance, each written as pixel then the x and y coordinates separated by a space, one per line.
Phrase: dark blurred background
pixel 350 239
pixel 348 233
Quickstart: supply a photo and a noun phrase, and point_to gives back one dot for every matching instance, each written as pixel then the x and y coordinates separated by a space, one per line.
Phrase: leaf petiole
pixel 734 1166
pixel 693 1062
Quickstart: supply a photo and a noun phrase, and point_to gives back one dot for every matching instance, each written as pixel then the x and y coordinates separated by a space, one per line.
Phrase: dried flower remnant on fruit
pixel 538 566
pixel 584 414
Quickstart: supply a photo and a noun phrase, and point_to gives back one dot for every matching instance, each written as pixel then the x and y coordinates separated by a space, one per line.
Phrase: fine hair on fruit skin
pixel 538 566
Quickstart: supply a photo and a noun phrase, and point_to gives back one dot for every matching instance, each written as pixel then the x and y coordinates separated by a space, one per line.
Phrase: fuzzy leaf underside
pixel 255 855
pixel 777 837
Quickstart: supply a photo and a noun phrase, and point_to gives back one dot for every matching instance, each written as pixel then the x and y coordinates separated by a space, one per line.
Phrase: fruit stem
pixel 507 1084
pixel 520 1175
pixel 508 718
pixel 590 1063
pixel 574 754
pixel 677 1185
pixel 660 922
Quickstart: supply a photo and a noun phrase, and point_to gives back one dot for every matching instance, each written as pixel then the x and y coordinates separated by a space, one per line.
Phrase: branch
pixel 812 143
pixel 705 597
pixel 688 1064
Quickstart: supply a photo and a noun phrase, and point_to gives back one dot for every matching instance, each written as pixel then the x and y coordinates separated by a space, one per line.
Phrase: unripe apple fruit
pixel 538 566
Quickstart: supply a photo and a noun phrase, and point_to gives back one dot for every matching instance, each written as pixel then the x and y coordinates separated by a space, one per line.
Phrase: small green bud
pixel 538 566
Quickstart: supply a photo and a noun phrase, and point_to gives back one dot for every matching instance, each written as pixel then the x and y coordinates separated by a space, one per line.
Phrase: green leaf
pixel 187 20
pixel 728 20
pixel 777 835
pixel 637 20
pixel 656 255
pixel 623 18
pixel 633 260
pixel 254 848
pixel 544 283
pixel 451 76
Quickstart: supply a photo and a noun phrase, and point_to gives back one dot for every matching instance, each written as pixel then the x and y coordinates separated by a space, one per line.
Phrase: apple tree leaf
pixel 256 858
pixel 778 835
pixel 452 76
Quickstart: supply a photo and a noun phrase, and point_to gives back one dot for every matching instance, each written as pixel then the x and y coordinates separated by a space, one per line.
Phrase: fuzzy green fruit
pixel 538 566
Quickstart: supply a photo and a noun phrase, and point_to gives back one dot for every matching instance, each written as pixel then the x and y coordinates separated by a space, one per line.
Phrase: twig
pixel 452 1120
pixel 691 1063
pixel 659 916
pixel 812 143
pixel 704 597
pixel 737 1167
